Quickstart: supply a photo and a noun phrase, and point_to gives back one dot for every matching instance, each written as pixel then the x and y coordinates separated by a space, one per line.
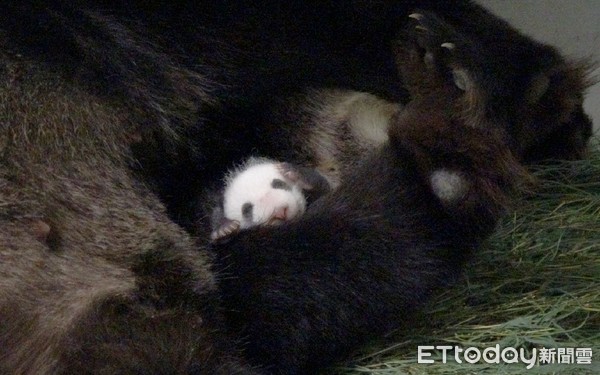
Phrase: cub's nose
pixel 279 214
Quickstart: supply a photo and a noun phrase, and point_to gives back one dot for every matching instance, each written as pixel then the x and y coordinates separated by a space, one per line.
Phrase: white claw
pixel 416 16
pixel 419 27
pixel 461 79
pixel 449 45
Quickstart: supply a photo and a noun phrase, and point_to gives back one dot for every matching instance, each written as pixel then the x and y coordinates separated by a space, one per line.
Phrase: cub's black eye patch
pixel 247 210
pixel 279 184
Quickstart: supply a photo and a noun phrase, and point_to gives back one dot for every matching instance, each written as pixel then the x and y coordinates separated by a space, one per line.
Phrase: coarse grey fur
pixel 81 240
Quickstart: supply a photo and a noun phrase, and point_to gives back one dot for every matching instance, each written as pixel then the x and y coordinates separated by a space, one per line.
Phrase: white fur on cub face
pixel 253 185
pixel 448 186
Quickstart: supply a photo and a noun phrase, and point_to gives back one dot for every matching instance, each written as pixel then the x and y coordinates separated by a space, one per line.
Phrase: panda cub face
pixel 260 194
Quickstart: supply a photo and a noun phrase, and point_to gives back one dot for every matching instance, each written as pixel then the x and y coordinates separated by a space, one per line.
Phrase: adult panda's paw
pixel 469 170
pixel 432 55
pixel 442 48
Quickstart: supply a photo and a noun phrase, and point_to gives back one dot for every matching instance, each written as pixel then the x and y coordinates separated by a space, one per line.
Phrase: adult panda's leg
pixel 364 257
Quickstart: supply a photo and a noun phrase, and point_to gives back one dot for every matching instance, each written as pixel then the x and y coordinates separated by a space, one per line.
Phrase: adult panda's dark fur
pixel 188 88
pixel 209 72
pixel 361 260
pixel 94 276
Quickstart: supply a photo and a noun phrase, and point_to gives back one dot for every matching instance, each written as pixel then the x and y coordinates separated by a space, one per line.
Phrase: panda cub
pixel 262 191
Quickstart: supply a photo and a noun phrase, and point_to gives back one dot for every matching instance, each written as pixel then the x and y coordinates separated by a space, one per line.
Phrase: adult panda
pixel 116 112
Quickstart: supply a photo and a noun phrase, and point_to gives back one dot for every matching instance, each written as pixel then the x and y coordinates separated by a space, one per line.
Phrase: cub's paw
pixel 226 229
